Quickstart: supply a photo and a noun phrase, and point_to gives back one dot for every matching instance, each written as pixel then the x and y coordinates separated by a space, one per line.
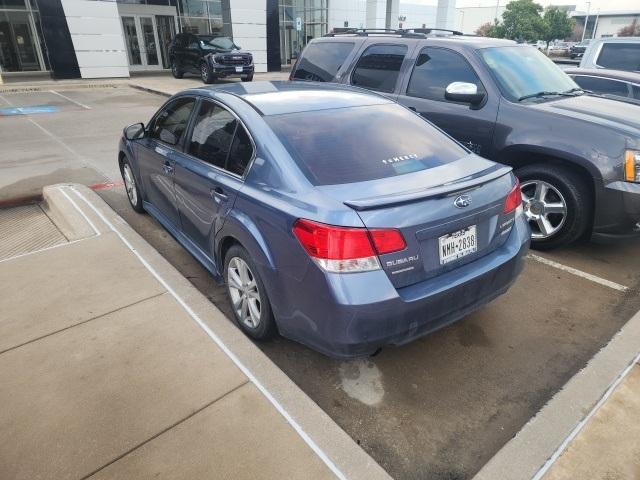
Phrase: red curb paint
pixel 105 185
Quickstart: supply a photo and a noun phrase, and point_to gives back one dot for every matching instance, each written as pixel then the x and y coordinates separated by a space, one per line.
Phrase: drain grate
pixel 26 229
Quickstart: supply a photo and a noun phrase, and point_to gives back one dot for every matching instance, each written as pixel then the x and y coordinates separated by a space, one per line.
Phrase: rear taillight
pixel 346 249
pixel 514 199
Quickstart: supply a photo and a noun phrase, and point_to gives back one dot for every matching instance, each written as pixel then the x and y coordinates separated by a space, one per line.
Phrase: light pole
pixel 586 21
pixel 497 6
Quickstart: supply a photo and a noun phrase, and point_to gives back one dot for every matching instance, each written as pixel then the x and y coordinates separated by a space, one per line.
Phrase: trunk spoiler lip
pixel 443 190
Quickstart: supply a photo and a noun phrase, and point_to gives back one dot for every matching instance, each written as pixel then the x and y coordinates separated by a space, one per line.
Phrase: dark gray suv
pixel 577 155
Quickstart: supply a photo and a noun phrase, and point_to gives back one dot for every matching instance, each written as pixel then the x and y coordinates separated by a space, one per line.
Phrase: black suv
pixel 576 154
pixel 210 57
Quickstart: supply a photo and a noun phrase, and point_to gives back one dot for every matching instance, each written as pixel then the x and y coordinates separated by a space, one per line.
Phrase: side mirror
pixel 134 132
pixel 167 137
pixel 464 92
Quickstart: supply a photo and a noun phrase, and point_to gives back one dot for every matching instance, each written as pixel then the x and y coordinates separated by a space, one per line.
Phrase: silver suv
pixel 616 53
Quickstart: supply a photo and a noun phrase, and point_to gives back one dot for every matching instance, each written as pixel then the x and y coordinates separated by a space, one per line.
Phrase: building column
pixel 446 14
pixel 249 23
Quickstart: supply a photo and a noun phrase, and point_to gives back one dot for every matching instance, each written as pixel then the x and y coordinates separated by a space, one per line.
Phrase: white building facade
pixel 115 38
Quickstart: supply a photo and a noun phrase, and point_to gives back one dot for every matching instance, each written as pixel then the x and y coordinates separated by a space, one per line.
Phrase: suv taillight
pixel 346 249
pixel 514 199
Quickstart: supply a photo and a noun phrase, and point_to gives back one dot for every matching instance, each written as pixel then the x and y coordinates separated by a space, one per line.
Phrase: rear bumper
pixel 618 212
pixel 364 312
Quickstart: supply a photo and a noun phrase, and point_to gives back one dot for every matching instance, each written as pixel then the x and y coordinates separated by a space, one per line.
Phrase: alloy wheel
pixel 243 289
pixel 544 207
pixel 204 72
pixel 130 184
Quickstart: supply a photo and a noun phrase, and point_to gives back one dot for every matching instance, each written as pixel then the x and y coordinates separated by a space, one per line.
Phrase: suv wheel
pixel 175 70
pixel 556 204
pixel 246 78
pixel 206 74
pixel 247 295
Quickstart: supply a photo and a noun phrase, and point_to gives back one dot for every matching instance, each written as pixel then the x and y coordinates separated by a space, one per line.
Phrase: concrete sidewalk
pixel 113 366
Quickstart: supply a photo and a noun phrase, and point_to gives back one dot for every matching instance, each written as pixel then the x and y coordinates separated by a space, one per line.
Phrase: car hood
pixel 614 114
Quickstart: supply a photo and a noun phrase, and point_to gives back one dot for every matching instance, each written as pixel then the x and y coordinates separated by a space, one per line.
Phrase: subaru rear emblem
pixel 462 201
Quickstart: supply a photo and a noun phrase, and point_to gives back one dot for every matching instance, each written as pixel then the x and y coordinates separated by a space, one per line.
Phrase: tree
pixel 632 30
pixel 557 25
pixel 522 21
pixel 484 29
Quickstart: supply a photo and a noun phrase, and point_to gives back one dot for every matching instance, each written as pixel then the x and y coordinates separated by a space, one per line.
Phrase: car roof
pixel 467 40
pixel 605 72
pixel 280 97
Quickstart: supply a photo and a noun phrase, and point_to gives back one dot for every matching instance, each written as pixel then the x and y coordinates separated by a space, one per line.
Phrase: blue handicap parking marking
pixel 28 110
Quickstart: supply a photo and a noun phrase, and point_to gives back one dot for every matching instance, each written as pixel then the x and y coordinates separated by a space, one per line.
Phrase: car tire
pixel 175 70
pixel 131 186
pixel 246 78
pixel 559 195
pixel 206 74
pixel 248 299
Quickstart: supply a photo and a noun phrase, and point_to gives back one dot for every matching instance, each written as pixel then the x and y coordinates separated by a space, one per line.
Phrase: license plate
pixel 458 244
pixel 239 69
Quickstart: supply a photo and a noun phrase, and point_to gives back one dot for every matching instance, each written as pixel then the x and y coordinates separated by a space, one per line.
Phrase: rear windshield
pixel 620 56
pixel 321 61
pixel 358 144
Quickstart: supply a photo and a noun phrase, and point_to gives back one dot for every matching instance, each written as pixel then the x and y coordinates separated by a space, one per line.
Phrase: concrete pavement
pixel 113 366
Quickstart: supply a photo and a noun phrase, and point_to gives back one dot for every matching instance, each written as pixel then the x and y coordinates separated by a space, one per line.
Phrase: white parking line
pixel 579 273
pixel 70 100
pixel 287 416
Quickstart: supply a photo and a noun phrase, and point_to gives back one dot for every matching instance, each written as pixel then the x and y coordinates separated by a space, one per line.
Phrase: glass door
pixel 147 39
pixel 131 40
pixel 149 42
pixel 166 32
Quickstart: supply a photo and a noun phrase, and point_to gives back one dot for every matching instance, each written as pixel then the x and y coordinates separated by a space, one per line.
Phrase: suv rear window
pixel 379 67
pixel 620 56
pixel 321 61
pixel 358 144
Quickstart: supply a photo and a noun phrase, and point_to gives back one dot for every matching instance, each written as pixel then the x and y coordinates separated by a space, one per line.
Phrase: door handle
pixel 218 195
pixel 167 168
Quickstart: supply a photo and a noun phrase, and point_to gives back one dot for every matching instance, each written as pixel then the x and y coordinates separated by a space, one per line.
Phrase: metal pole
pixel 586 22
pixel 497 6
pixel 595 25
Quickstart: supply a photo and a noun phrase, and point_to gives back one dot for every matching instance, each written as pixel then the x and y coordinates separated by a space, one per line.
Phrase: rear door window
pixel 379 67
pixel 212 134
pixel 620 56
pixel 347 145
pixel 219 139
pixel 321 61
pixel 436 68
pixel 603 86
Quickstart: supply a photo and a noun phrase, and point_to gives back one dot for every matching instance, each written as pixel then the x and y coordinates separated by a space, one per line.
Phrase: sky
pixel 581 5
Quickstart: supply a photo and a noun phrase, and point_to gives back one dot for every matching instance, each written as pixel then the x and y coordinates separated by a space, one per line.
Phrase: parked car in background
pixel 577 49
pixel 334 215
pixel 559 49
pixel 210 57
pixel 615 84
pixel 577 155
pixel 615 53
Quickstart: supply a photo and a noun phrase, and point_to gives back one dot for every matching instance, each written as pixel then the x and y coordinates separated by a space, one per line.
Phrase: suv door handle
pixel 218 195
pixel 167 168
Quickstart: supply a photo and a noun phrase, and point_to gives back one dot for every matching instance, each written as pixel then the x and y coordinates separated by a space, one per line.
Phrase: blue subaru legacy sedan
pixel 334 216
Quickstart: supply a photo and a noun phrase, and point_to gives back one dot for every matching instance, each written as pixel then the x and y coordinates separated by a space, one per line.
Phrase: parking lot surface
pixel 437 408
